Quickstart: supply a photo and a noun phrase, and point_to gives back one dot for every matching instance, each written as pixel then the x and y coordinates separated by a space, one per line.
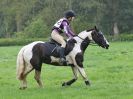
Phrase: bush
pixel 36 29
pixel 24 41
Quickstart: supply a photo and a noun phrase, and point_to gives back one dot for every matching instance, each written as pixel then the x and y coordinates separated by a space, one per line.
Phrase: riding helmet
pixel 69 13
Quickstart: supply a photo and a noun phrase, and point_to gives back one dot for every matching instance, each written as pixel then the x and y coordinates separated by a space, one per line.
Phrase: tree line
pixel 35 18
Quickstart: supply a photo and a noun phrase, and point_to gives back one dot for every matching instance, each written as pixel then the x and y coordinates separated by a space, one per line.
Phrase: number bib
pixel 58 23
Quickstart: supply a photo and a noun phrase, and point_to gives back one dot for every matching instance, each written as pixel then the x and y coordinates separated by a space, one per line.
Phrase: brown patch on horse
pixel 79 59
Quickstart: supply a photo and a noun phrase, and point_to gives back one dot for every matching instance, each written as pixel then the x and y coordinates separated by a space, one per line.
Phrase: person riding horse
pixel 63 26
pixel 33 55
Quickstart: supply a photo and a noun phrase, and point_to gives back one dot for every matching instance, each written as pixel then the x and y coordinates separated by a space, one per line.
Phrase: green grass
pixel 110 72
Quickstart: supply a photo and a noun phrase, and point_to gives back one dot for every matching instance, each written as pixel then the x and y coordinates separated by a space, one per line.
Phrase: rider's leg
pixel 62 56
pixel 57 37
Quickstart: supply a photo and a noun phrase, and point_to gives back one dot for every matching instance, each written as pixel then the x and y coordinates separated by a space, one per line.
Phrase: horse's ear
pixel 96 28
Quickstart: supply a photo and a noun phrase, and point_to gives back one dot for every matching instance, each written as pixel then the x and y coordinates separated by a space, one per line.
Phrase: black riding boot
pixel 62 56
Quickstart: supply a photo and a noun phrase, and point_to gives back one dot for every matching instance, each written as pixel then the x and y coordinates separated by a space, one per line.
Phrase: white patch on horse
pixel 28 51
pixel 82 72
pixel 54 59
pixel 78 40
pixel 23 60
pixel 106 40
pixel 69 59
pixel 85 34
pixel 74 52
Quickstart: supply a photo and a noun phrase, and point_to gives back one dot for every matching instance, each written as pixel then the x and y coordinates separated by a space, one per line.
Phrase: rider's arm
pixel 67 29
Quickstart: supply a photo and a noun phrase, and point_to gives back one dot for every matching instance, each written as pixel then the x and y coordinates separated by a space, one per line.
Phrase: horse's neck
pixel 85 44
pixel 83 39
pixel 82 35
pixel 80 40
pixel 85 34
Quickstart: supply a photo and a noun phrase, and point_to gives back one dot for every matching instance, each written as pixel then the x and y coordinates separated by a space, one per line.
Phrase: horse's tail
pixel 20 64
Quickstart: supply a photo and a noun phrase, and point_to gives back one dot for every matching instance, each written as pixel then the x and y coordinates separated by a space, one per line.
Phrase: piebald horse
pixel 31 56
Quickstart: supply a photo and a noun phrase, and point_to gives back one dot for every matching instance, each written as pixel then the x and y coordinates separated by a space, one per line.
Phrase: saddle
pixel 53 47
pixel 55 42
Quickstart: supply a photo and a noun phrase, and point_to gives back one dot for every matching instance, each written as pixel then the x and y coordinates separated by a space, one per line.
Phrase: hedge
pixel 16 41
pixel 20 41
pixel 121 37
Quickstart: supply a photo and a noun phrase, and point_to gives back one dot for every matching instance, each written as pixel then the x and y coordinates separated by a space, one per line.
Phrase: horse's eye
pixel 100 35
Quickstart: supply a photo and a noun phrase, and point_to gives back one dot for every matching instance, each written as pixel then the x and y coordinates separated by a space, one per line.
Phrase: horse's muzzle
pixel 107 46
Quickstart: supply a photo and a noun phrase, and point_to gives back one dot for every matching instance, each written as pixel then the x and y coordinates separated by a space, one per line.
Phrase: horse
pixel 32 56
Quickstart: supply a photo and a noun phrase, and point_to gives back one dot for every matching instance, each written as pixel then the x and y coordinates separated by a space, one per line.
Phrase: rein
pixel 91 43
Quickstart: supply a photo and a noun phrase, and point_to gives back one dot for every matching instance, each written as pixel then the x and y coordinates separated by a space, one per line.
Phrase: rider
pixel 63 26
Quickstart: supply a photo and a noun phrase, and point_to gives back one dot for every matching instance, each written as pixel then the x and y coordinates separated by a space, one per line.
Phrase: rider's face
pixel 71 18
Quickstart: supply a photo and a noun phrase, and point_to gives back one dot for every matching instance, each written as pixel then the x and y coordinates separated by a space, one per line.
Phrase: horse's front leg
pixel 83 74
pixel 75 73
pixel 79 63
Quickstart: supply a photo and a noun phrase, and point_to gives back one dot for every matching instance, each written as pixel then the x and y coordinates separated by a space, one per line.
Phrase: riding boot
pixel 62 56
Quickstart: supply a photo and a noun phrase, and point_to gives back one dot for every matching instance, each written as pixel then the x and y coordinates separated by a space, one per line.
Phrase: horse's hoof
pixel 40 87
pixel 87 83
pixel 22 88
pixel 64 84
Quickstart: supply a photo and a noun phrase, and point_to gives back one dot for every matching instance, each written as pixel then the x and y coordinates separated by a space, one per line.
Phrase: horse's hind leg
pixel 38 78
pixel 37 64
pixel 75 72
pixel 23 80
pixel 23 83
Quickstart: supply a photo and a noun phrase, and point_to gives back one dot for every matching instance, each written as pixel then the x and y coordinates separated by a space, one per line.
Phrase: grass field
pixel 110 72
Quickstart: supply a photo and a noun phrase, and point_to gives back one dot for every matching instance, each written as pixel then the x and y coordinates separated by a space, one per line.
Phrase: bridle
pixel 91 43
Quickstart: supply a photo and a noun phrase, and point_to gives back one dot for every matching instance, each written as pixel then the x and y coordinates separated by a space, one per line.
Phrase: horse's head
pixel 98 37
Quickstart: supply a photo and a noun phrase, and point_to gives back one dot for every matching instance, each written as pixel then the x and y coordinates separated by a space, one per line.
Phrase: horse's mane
pixel 88 30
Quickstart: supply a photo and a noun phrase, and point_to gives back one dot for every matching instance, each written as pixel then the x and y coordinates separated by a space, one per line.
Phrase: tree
pixel 111 16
